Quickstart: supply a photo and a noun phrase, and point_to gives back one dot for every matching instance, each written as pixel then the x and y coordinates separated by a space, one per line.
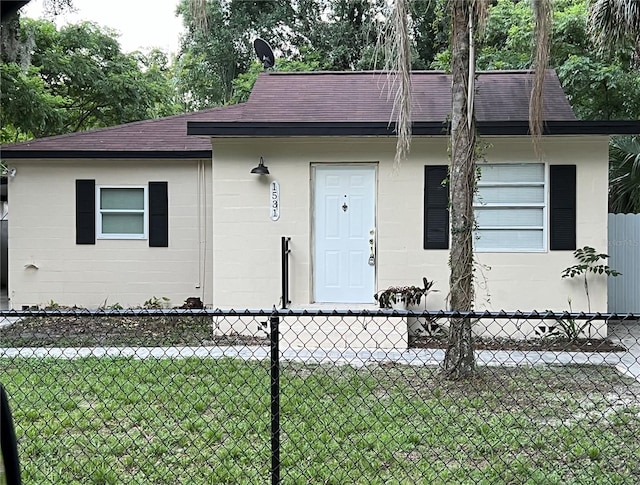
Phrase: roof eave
pixel 494 128
pixel 111 154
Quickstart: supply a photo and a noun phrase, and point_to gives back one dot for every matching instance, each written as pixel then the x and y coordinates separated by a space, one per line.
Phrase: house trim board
pixel 382 128
pixel 106 154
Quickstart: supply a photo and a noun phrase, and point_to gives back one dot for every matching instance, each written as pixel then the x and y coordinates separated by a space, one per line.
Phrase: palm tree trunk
pixel 459 359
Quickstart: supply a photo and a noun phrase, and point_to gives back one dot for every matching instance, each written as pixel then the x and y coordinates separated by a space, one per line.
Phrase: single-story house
pixel 177 207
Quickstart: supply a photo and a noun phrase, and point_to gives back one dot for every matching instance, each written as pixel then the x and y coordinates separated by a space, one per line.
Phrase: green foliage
pixel 160 81
pixel 508 34
pixel 601 89
pixel 409 295
pixel 210 60
pixel 570 328
pixel 112 306
pixel 616 24
pixel 243 84
pixel 216 67
pixel 588 262
pixel 156 303
pixel 77 78
pixel 52 305
pixel 28 107
pixel 624 174
pixel 588 259
pixel 599 85
pixel 431 31
pixel 345 36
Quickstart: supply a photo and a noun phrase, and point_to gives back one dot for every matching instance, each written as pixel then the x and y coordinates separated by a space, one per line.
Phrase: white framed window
pixel 122 212
pixel 511 208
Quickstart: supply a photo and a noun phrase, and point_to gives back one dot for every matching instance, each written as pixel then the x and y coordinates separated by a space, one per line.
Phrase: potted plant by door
pixel 402 297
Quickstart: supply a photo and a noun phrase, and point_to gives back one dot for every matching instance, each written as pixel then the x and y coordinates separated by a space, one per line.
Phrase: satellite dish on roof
pixel 264 53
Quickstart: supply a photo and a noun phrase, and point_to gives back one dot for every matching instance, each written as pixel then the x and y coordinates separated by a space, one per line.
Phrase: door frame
pixel 312 217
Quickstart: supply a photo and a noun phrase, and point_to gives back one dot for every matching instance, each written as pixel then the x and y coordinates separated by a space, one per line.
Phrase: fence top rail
pixel 381 313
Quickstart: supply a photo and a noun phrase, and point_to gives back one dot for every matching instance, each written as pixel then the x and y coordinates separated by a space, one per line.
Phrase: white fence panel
pixel 624 256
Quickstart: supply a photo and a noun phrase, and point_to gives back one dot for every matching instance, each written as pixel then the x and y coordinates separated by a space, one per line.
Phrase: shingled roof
pixel 361 104
pixel 366 97
pixel 324 104
pixel 157 138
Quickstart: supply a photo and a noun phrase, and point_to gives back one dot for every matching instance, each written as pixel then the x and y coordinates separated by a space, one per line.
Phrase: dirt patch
pixel 198 331
pixel 553 344
pixel 107 331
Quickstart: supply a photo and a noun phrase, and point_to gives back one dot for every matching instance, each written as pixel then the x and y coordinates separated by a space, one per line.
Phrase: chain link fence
pixel 310 397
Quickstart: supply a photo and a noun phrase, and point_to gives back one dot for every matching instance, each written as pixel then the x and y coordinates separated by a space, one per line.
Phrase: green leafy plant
pixel 410 295
pixel 435 330
pixel 51 305
pixel 589 261
pixel 113 306
pixel 156 303
pixel 570 328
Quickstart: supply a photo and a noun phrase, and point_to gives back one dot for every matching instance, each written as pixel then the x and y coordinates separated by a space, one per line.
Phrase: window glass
pixel 121 212
pixel 510 207
pixel 121 198
pixel 122 224
pixel 512 239
pixel 508 217
pixel 512 172
pixel 519 194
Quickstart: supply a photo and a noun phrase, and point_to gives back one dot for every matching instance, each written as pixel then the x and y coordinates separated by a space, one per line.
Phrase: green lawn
pixel 104 421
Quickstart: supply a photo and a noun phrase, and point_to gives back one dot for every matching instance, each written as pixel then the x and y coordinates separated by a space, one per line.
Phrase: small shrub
pixel 588 263
pixel 410 295
pixel 156 303
pixel 570 328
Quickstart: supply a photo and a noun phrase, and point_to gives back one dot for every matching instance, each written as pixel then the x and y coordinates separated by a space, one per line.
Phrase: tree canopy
pixel 56 81
pixel 77 78
pixel 600 84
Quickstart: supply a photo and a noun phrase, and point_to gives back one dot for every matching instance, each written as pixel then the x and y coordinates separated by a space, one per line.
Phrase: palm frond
pixel 397 56
pixel 481 14
pixel 624 174
pixel 198 10
pixel 614 22
pixel 542 37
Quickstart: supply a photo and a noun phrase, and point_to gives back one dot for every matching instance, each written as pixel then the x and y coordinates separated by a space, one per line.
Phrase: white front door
pixel 344 233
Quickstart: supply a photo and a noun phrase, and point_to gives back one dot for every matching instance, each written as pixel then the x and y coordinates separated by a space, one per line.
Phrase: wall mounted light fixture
pixel 260 169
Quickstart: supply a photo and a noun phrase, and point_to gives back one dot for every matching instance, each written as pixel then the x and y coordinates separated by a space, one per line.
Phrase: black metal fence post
pixel 274 321
pixel 284 248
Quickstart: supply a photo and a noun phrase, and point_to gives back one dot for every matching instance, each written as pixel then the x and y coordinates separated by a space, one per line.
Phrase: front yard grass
pixel 203 421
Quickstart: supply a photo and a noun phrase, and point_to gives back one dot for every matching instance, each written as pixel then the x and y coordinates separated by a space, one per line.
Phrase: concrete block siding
pixel 246 250
pixel 47 265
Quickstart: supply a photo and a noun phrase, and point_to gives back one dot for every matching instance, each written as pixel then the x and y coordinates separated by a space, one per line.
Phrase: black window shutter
pixel 562 207
pixel 436 207
pixel 158 215
pixel 85 211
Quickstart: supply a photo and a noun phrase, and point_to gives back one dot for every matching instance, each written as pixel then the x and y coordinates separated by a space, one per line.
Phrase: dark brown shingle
pixel 157 135
pixel 314 97
pixel 365 97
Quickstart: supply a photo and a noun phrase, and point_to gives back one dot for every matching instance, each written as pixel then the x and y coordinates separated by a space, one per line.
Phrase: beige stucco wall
pixel 246 248
pixel 127 272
